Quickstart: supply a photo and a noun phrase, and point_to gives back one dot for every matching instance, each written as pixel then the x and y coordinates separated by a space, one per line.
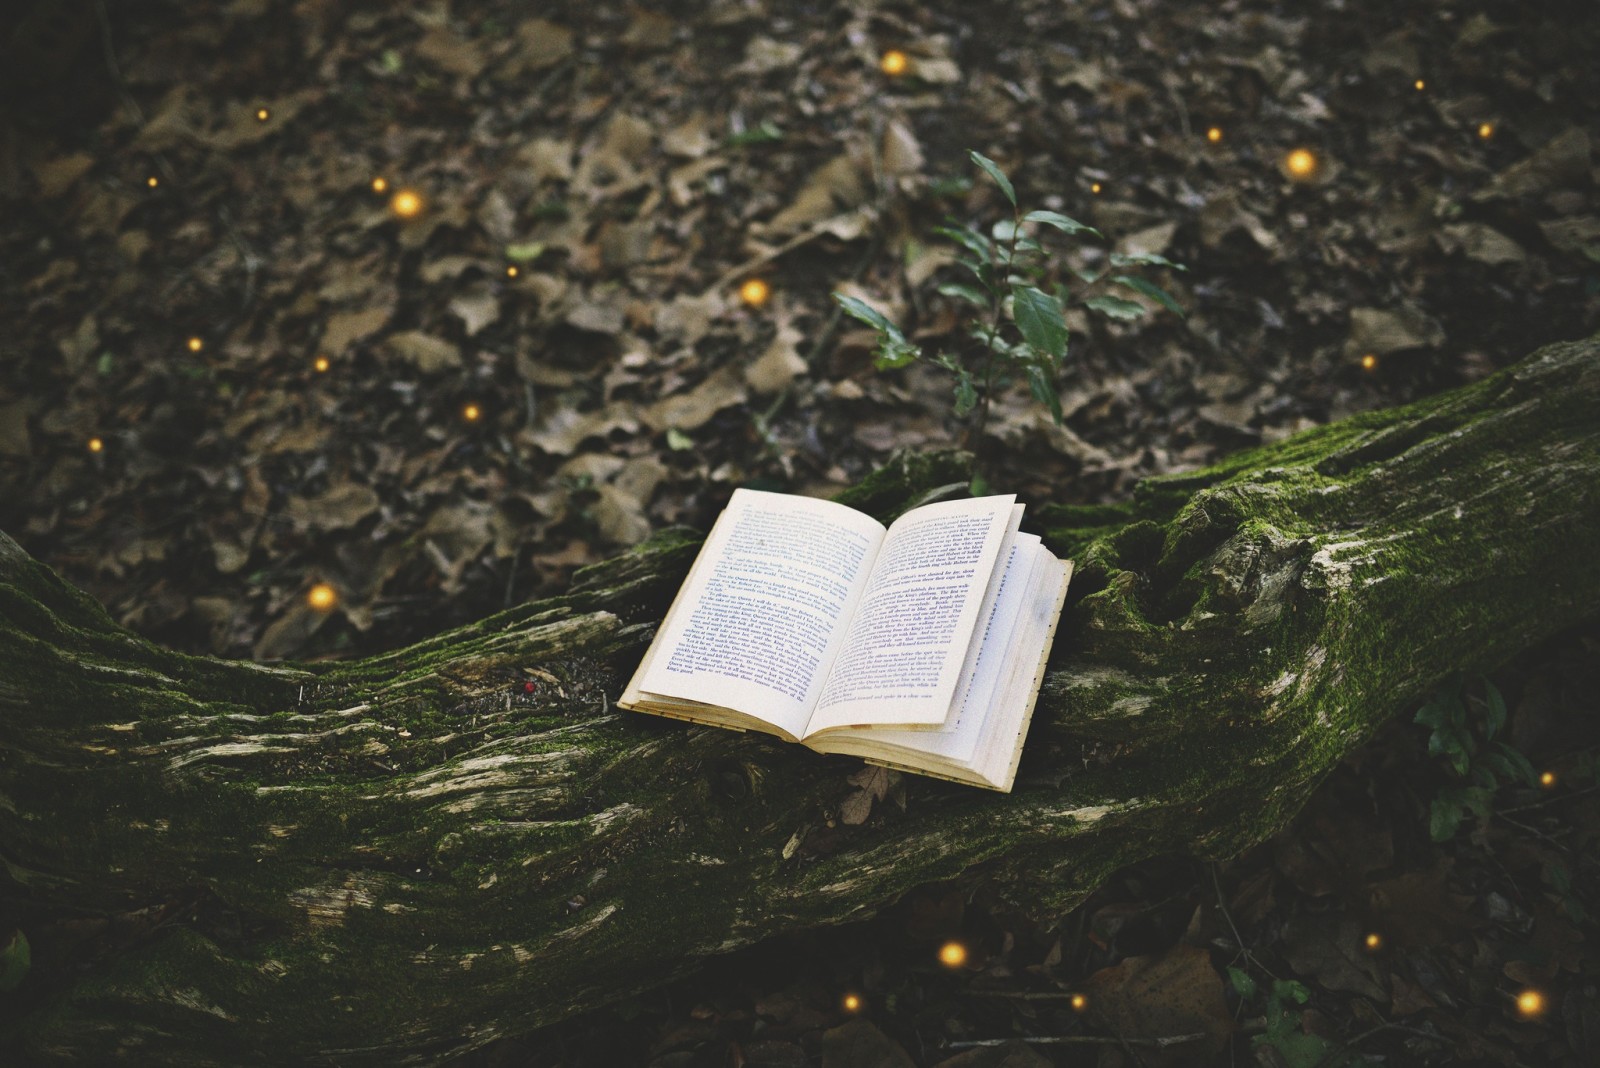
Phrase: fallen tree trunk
pixel 397 859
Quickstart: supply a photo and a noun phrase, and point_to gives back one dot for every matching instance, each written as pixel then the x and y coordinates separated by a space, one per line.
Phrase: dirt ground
pixel 238 367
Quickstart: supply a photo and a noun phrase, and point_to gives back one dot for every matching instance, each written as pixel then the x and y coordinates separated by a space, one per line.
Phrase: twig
pixel 1333 1057
pixel 825 338
pixel 1533 831
pixel 1549 800
pixel 1082 1040
pixel 1238 938
pixel 804 236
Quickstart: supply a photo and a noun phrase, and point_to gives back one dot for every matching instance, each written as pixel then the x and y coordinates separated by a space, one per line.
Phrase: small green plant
pixel 1012 270
pixel 1284 1035
pixel 1478 762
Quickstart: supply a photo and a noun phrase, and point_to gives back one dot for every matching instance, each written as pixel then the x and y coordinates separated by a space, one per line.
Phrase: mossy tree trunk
pixel 396 859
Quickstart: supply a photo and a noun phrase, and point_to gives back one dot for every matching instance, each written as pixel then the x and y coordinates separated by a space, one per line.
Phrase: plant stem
pixel 999 303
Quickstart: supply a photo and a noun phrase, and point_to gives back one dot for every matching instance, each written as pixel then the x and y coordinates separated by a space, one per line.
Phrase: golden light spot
pixel 262 114
pixel 1368 362
pixel 95 445
pixel 755 292
pixel 953 954
pixel 852 1003
pixel 1486 130
pixel 322 597
pixel 1530 1003
pixel 406 204
pixel 1214 134
pixel 152 181
pixel 1301 163
pixel 322 363
pixel 1079 1003
pixel 379 185
pixel 894 63
pixel 1374 942
pixel 512 272
pixel 1420 85
pixel 472 413
pixel 195 344
pixel 1094 188
pixel 1547 779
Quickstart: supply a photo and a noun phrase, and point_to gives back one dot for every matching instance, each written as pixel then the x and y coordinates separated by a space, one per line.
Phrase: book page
pixel 904 649
pixel 957 740
pixel 761 616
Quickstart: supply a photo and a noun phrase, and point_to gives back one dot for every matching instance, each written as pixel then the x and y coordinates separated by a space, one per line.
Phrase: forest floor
pixel 236 370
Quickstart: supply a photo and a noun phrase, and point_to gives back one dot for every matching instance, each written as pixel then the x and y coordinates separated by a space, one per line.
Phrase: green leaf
pixel 966 396
pixel 1043 388
pixel 1151 290
pixel 1119 259
pixel 1291 990
pixel 526 252
pixel 1060 222
pixel 1116 307
pixel 1520 764
pixel 105 364
pixel 1435 713
pixel 860 309
pixel 973 241
pixel 15 959
pixel 677 440
pixel 1496 711
pixel 1444 817
pixel 979 486
pixel 1242 984
pixel 1004 230
pixel 962 291
pixel 767 131
pixel 937 493
pixel 1039 317
pixel 894 354
pixel 997 174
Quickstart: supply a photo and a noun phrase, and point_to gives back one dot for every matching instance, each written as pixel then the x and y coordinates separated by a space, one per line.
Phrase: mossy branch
pixel 397 859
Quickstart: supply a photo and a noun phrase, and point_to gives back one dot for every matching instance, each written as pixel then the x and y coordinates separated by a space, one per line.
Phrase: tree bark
pixel 397 859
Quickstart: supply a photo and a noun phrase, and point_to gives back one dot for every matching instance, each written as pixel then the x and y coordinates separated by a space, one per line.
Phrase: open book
pixel 919 646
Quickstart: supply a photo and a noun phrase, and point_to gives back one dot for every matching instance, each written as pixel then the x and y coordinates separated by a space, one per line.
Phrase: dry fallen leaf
pixel 1381 331
pixel 541 44
pixel 724 388
pixel 346 328
pixel 1480 242
pixel 340 507
pixel 779 365
pixel 1331 950
pixel 428 353
pixel 1177 993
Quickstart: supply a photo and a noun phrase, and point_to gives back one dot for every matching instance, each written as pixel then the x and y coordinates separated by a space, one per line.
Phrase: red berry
pixel 527 687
